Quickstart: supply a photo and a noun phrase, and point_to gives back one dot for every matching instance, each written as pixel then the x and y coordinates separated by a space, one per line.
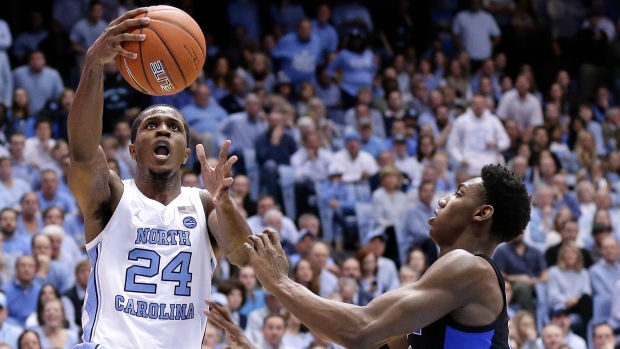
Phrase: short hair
pixel 84 262
pixel 8 209
pixel 49 170
pixel 510 200
pixel 227 286
pixel 42 120
pixel 272 315
pixel 21 336
pixel 306 217
pixel 138 120
pixel 49 209
pixel 35 236
pixel 601 324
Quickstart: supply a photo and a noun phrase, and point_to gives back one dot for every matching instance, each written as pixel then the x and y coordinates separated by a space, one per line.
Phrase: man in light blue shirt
pixel 86 31
pixel 23 291
pixel 325 31
pixel 415 232
pixel 299 54
pixel 476 32
pixel 204 117
pixel 49 194
pixel 605 272
pixel 243 128
pixel 42 83
pixel 9 333
pixel 12 243
pixel 11 188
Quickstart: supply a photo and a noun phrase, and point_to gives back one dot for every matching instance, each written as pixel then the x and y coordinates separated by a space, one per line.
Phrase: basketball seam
pixel 146 77
pixel 185 30
pixel 171 55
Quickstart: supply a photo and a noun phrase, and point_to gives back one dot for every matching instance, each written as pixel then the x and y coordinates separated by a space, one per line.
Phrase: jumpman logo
pixel 137 214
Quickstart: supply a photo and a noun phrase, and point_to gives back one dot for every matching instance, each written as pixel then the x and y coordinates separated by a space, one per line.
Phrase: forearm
pixel 85 116
pixel 233 232
pixel 336 321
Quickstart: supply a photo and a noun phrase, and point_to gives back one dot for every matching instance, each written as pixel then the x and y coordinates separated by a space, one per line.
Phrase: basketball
pixel 170 58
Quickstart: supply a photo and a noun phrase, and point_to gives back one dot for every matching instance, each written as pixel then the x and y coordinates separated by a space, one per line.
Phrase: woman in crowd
pixel 584 154
pixel 235 295
pixel 417 260
pixel 221 78
pixel 19 115
pixel 426 150
pixel 259 73
pixel 569 284
pixel 369 283
pixel 29 340
pixel 305 275
pixel 458 79
pixel 306 92
pixel 525 329
pixel 295 335
pixel 53 329
pixel 47 293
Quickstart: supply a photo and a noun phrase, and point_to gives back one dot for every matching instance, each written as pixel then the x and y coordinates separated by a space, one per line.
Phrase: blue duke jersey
pixel 151 272
pixel 448 334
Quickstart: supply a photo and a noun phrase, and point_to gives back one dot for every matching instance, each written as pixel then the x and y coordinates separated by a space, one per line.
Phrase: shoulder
pixel 460 265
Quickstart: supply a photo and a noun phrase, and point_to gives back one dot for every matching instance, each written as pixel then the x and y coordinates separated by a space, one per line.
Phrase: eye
pixel 174 127
pixel 456 193
pixel 150 125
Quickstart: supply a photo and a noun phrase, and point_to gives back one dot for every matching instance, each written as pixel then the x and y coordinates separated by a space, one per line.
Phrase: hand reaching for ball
pixel 109 43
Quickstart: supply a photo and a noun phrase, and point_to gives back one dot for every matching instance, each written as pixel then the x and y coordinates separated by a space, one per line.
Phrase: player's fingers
pixel 251 251
pixel 227 182
pixel 200 154
pixel 265 239
pixel 259 245
pixel 129 14
pixel 130 24
pixel 121 51
pixel 274 237
pixel 221 310
pixel 131 37
pixel 229 163
pixel 224 152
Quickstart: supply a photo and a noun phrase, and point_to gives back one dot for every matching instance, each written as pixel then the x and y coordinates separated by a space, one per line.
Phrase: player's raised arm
pixel 88 171
pixel 226 224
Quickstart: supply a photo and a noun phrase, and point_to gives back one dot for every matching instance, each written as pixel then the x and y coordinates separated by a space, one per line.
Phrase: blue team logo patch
pixel 189 222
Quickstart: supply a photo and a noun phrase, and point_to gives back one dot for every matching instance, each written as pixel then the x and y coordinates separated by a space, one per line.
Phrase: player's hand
pixel 267 257
pixel 219 316
pixel 108 45
pixel 218 179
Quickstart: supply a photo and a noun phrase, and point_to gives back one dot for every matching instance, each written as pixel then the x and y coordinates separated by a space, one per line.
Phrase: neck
pixel 8 181
pixel 50 330
pixel 28 216
pixel 49 196
pixel 24 284
pixel 161 188
pixel 8 235
pixel 472 242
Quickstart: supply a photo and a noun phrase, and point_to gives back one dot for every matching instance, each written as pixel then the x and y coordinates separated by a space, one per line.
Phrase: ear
pixel 187 152
pixel 132 151
pixel 483 213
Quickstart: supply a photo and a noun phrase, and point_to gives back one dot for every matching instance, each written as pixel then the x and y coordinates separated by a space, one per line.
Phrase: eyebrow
pixel 462 186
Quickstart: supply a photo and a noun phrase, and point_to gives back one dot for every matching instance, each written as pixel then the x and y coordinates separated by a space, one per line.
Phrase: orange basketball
pixel 170 58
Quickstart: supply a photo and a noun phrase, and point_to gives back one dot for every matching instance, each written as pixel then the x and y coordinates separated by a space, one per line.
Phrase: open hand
pixel 267 257
pixel 109 43
pixel 218 179
pixel 220 317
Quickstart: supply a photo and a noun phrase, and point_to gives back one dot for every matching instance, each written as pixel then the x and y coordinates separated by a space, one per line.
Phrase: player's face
pixel 161 143
pixel 456 211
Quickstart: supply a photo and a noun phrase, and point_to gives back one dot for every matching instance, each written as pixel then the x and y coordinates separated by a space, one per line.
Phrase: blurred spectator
pixel 48 270
pixel 351 14
pixel 357 63
pixel 369 282
pixel 41 82
pixel 525 333
pixel 476 32
pixel 286 14
pixel 87 30
pixel 22 292
pixel 11 187
pixel 122 134
pixel 29 221
pixel 257 222
pixel 524 266
pixel 318 257
pixel 245 13
pixel 416 226
pixel 6 80
pixel 258 73
pixel 357 164
pixel 603 337
pixel 560 317
pixel 29 40
pixel 9 333
pixel 204 117
pixel 339 196
pixel 241 189
pixel 371 143
pixel 477 138
pixel 611 129
pixel 274 147
pixel 327 90
pixel 243 128
pixel 120 100
pixel 258 317
pixel 295 336
pixel 551 337
pixel 606 271
pixel 51 330
pixel 324 30
pixel 254 298
pixel 395 111
pixel 12 243
pixel 75 295
pixel 387 272
pixel 234 101
pixel 235 294
pixel 299 53
pixel 388 201
pixel 569 233
pixel 522 107
pixel 49 194
pixel 363 110
pixel 19 117
pixel 37 151
pixel 304 274
pixel 407 275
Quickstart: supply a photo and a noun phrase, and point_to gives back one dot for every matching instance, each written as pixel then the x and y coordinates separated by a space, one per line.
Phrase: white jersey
pixel 151 272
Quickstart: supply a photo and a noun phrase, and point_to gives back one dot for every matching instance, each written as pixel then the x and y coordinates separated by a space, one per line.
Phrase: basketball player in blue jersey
pixel 152 243
pixel 459 303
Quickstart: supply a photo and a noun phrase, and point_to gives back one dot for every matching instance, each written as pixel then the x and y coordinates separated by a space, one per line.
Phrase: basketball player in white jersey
pixel 152 243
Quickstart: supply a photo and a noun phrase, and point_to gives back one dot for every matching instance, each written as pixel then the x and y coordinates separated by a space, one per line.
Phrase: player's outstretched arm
pixel 226 224
pixel 446 286
pixel 88 170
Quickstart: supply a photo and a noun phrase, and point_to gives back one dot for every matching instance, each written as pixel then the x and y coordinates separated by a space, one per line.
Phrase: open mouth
pixel 161 152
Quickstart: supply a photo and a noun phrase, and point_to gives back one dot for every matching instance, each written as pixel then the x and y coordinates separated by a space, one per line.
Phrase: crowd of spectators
pixel 350 120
